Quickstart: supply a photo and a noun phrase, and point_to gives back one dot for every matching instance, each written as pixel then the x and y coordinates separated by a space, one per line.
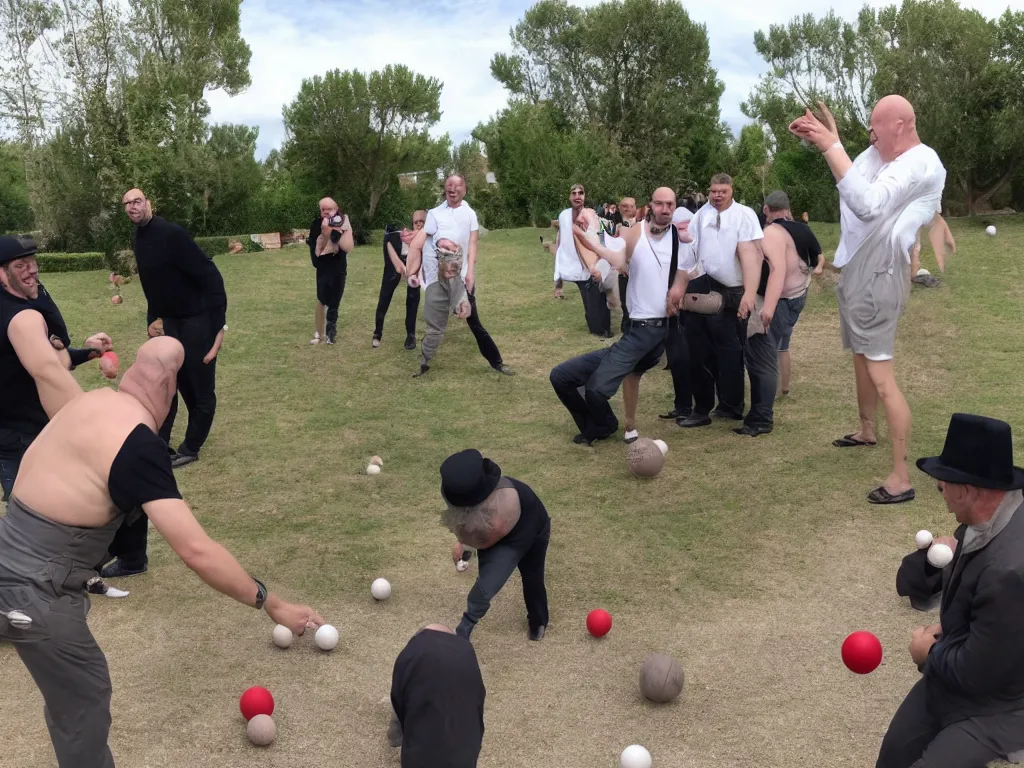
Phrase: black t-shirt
pixel 22 416
pixel 178 278
pixel 438 694
pixel 331 261
pixel 807 248
pixel 394 237
pixel 533 516
pixel 141 472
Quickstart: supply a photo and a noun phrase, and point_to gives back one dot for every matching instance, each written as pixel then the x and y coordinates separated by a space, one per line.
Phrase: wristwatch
pixel 261 594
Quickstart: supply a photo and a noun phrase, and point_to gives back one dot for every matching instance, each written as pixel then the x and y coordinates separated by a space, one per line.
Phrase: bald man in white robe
pixel 886 195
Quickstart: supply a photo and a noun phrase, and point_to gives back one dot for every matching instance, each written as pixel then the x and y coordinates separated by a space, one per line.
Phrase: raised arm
pixel 618 259
pixel 217 567
pixel 415 258
pixel 54 382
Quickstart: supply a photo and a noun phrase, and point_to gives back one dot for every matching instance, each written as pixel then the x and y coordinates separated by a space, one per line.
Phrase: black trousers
pixel 129 543
pixel 388 283
pixel 623 285
pixel 595 307
pixel 196 380
pixel 330 287
pixel 916 739
pixel 496 566
pixel 678 353
pixel 483 339
pixel 716 347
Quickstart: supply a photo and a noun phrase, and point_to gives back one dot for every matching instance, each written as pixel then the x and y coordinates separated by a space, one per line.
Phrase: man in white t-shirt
pixel 726 240
pixel 452 220
pixel 580 265
pixel 885 196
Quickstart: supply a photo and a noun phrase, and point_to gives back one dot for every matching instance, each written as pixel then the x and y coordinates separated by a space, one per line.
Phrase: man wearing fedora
pixel 968 707
pixel 507 524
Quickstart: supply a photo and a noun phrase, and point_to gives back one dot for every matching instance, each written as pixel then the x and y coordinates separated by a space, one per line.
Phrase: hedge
pixel 70 262
pixel 215 246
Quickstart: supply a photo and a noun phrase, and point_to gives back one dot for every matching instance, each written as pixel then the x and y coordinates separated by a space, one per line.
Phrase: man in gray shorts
pixel 886 195
pixel 60 522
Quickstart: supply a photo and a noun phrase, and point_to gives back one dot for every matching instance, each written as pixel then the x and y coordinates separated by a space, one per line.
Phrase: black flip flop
pixel 849 441
pixel 882 496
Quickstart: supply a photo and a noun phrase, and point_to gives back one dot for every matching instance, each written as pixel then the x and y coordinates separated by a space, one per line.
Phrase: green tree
pixel 15 208
pixel 636 72
pixel 350 135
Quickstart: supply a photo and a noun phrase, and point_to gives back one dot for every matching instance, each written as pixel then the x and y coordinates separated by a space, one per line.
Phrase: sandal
pixel 849 441
pixel 882 496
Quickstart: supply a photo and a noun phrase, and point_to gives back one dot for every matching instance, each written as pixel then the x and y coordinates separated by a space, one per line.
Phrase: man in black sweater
pixel 396 252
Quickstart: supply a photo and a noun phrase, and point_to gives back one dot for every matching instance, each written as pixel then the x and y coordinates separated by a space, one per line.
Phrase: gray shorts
pixel 869 313
pixel 786 314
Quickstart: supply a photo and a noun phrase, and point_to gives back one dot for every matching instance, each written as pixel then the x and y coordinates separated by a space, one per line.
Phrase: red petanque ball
pixel 862 652
pixel 599 622
pixel 256 701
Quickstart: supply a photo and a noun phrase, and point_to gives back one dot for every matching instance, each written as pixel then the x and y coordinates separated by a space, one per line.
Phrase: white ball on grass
pixel 924 539
pixel 326 638
pixel 372 469
pixel 635 756
pixel 940 555
pixel 283 636
pixel 380 589
pixel 261 730
pixel 990 231
pixel 662 446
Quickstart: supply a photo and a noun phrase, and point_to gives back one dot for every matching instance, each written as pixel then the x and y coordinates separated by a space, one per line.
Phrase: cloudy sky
pixel 289 44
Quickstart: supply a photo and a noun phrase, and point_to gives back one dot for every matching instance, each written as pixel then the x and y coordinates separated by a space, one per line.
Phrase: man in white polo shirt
pixel 452 220
pixel 726 236
pixel 580 267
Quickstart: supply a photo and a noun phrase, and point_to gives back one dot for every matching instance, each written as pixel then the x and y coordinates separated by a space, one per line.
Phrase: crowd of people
pixel 709 285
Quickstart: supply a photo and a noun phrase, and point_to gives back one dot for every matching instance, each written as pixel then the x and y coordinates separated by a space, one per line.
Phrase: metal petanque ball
pixel 644 458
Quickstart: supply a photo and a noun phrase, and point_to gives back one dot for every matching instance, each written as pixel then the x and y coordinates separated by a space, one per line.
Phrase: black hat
pixel 978 452
pixel 12 248
pixel 467 478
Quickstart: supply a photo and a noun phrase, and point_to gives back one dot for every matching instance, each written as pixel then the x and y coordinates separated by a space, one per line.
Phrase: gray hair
pixel 477 519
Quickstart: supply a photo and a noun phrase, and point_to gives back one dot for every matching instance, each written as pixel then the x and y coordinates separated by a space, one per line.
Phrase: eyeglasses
pixel 136 201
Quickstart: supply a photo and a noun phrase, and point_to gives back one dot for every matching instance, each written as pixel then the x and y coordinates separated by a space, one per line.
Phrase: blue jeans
pixel 786 314
pixel 9 466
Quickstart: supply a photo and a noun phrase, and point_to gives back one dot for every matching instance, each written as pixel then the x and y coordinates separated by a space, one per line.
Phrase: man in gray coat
pixel 968 707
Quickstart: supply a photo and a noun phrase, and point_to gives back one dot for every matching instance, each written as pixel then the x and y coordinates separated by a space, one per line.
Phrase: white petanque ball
pixel 635 756
pixel 990 231
pixel 326 638
pixel 662 446
pixel 940 555
pixel 283 636
pixel 261 730
pixel 380 589
pixel 372 469
pixel 924 539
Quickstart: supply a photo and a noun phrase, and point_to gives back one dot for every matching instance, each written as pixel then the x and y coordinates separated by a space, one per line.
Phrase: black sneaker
pixel 537 633
pixel 183 459
pixel 502 368
pixel 674 414
pixel 693 420
pixel 721 413
pixel 117 570
pixel 410 342
pixel 751 430
pixel 423 369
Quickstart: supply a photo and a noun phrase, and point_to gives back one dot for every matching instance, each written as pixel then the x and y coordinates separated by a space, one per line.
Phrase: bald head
pixel 153 377
pixel 893 127
pixel 328 207
pixel 663 204
pixel 137 207
pixel 439 628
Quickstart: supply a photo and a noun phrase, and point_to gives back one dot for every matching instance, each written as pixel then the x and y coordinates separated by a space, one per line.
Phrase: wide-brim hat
pixel 978 452
pixel 467 478
pixel 12 248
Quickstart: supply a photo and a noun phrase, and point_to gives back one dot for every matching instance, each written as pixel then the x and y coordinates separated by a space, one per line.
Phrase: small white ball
pixel 283 636
pixel 990 231
pixel 662 446
pixel 380 589
pixel 924 539
pixel 326 638
pixel 372 469
pixel 636 756
pixel 940 555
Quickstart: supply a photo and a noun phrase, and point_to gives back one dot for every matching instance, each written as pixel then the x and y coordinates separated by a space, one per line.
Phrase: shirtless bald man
pixel 886 195
pixel 97 460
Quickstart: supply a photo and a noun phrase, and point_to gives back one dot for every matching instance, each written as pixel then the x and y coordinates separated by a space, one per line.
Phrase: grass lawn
pixel 749 560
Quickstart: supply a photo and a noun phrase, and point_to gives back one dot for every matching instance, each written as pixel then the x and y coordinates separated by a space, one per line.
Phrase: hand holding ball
pixel 109 364
pixel 924 539
pixel 940 555
pixel 326 638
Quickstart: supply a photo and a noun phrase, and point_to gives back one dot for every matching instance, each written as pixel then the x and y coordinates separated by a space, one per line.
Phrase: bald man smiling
pixel 886 195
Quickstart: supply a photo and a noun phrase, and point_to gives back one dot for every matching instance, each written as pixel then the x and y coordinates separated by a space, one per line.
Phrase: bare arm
pixel 415 258
pixel 54 382
pixel 396 262
pixel 216 566
pixel 347 241
pixel 618 259
pixel 774 247
pixel 750 263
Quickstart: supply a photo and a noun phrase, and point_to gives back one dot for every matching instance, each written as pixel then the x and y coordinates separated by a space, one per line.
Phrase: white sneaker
pixel 631 436
pixel 462 565
pixel 315 339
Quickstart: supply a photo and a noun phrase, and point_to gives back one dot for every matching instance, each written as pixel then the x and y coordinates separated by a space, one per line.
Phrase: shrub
pixel 70 262
pixel 215 246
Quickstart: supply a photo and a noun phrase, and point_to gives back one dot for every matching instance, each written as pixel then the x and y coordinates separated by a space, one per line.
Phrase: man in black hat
pixel 437 693
pixel 507 524
pixel 35 348
pixel 968 707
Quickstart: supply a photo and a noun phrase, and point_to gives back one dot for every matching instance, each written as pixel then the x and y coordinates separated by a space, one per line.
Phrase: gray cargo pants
pixel 440 301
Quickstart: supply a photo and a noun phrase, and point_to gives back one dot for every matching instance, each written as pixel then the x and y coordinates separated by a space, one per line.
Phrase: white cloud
pixel 454 41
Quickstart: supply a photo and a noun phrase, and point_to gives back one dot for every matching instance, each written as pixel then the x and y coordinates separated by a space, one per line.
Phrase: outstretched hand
pixel 298 618
pixel 820 131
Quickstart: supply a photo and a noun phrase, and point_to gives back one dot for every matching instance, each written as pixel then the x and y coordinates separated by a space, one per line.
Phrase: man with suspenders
pixel 651 254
